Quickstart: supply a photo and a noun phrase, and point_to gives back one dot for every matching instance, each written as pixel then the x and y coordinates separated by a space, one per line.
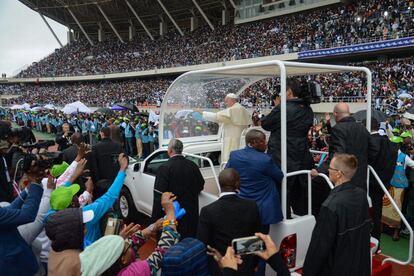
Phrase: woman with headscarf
pixel 112 255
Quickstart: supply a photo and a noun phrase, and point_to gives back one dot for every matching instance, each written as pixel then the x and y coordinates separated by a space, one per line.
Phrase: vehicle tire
pixel 126 207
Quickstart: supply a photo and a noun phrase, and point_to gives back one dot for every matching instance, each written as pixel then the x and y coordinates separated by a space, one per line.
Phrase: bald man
pixel 234 119
pixel 350 137
pixel 230 217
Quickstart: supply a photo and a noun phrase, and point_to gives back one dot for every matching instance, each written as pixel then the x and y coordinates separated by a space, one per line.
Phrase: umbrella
pixel 128 106
pixel 104 110
pixel 183 113
pixel 118 108
pixel 37 108
pixel 50 107
pixel 76 107
pixel 409 114
pixel 376 114
pixel 16 106
pixel 405 96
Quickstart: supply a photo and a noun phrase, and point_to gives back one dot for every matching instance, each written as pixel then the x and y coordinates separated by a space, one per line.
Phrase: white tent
pixel 76 107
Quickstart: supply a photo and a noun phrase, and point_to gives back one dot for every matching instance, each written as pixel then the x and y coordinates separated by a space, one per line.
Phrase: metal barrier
pixel 410 244
pixel 308 172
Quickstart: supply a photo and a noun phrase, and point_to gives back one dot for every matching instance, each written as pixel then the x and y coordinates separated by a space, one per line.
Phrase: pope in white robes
pixel 234 119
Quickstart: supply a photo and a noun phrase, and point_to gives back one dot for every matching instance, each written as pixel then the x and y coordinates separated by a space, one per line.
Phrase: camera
pixel 310 91
pixel 43 161
pixel 39 145
pixel 248 245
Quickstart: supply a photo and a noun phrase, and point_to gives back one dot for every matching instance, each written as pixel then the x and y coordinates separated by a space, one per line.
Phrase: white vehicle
pixel 206 89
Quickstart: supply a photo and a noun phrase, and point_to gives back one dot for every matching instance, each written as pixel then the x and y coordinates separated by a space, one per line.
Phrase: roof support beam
pixel 50 29
pixel 139 20
pixel 232 3
pixel 110 24
pixel 80 26
pixel 204 15
pixel 171 18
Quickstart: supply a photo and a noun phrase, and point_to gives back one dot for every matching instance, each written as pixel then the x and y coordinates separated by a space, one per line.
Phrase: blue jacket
pixel 259 176
pixel 100 207
pixel 16 255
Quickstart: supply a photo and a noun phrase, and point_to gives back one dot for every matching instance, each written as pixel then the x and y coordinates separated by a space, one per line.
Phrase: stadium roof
pixel 89 15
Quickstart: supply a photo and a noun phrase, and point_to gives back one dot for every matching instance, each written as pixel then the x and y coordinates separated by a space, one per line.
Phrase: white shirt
pixel 226 193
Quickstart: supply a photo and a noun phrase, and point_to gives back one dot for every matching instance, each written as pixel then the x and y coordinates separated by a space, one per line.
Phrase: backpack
pixel 399 179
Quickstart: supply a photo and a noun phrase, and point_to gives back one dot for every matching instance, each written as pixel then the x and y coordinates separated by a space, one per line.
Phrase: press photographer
pixel 299 116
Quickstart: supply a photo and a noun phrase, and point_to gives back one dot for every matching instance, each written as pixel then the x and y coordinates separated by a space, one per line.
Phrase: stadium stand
pixel 332 26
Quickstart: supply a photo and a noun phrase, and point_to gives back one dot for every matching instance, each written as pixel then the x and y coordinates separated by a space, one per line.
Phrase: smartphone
pixel 248 245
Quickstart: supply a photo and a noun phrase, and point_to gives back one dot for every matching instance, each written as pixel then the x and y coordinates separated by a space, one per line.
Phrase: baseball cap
pixel 62 196
pixel 59 169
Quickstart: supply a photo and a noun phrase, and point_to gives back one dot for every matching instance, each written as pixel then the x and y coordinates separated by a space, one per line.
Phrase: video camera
pixel 43 161
pixel 311 92
pixel 39 145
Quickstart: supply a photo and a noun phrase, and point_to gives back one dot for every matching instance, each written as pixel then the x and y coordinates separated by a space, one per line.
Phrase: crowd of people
pixel 321 28
pixel 60 209
pixel 390 78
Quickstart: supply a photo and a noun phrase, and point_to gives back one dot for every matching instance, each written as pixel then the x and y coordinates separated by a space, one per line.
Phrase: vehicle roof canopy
pixel 205 90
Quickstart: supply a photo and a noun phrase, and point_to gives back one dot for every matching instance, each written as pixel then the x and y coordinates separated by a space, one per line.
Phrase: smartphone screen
pixel 248 245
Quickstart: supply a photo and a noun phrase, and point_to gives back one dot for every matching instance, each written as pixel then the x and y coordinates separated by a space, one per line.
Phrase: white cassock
pixel 233 120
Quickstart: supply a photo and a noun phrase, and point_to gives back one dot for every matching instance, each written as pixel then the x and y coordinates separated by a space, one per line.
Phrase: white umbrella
pixel 26 106
pixel 37 108
pixel 182 113
pixel 16 106
pixel 75 108
pixel 50 107
pixel 405 96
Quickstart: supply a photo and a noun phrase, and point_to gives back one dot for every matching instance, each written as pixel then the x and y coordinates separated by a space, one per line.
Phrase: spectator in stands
pixel 228 218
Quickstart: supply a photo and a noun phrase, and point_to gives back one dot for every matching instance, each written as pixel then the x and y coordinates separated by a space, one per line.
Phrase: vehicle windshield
pixel 189 96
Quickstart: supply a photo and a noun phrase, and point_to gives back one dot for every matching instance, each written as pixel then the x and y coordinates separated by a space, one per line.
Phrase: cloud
pixel 25 38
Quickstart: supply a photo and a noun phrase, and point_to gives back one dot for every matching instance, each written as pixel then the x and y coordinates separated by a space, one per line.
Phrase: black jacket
pixel 299 116
pixel 228 218
pixel 6 187
pixel 103 161
pixel 65 229
pixel 63 142
pixel 183 178
pixel 382 157
pixel 348 136
pixel 69 154
pixel 340 243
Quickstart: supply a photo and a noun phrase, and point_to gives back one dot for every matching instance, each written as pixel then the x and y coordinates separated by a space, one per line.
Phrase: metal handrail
pixel 211 166
pixel 410 244
pixel 308 172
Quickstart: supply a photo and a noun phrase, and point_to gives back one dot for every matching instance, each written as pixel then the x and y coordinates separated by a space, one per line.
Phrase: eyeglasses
pixel 333 169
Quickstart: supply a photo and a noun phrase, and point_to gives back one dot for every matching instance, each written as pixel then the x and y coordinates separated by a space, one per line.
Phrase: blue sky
pixel 24 37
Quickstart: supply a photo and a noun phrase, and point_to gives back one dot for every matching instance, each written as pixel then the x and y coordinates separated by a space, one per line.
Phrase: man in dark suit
pixel 228 218
pixel 382 157
pixel 62 138
pixel 259 177
pixel 183 178
pixel 103 161
pixel 69 154
pixel 348 136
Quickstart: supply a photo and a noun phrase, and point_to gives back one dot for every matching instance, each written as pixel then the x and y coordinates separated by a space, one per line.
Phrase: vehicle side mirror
pixel 137 166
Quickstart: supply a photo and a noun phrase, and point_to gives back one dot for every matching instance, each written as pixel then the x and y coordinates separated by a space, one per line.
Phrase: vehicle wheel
pixel 126 207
